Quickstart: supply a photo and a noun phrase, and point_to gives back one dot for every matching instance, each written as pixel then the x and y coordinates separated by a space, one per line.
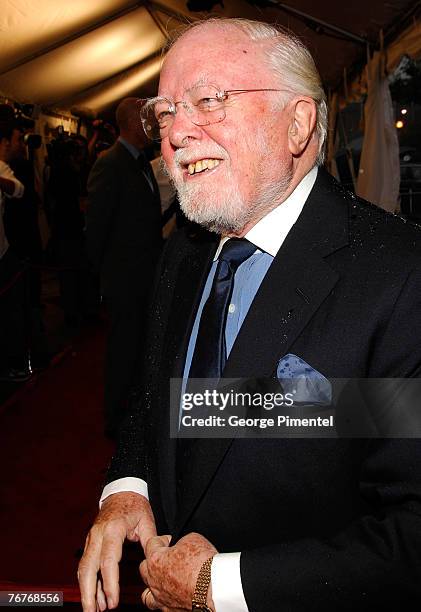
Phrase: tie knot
pixel 235 251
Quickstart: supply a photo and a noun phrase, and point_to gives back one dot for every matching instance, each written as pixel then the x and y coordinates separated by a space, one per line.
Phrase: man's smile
pixel 201 165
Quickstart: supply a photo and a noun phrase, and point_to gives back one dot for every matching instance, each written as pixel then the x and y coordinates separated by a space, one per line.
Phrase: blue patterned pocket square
pixel 305 383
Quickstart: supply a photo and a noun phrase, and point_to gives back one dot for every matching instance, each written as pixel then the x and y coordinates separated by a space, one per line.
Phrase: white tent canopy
pixel 64 52
pixel 86 55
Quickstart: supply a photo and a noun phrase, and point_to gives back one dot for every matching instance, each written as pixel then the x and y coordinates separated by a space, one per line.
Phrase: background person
pixel 13 328
pixel 66 190
pixel 124 241
pixel 23 234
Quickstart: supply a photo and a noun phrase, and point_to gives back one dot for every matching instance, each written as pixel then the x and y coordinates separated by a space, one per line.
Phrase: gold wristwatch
pixel 200 595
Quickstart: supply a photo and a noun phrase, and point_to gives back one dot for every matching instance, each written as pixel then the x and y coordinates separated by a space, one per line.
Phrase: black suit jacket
pixel 123 222
pixel 323 524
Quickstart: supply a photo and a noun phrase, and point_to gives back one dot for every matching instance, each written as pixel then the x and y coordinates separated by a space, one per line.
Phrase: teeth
pixel 202 164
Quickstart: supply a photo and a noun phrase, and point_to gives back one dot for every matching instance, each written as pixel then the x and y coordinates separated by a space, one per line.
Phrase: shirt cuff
pixel 227 590
pixel 134 485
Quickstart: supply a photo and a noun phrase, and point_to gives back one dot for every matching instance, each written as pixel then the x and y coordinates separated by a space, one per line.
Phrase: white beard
pixel 221 211
pixel 225 211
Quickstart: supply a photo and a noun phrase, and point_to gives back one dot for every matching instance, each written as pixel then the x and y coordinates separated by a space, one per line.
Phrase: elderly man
pixel 328 281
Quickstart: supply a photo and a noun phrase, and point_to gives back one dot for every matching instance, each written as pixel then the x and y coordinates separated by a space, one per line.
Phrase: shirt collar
pixel 135 152
pixel 270 232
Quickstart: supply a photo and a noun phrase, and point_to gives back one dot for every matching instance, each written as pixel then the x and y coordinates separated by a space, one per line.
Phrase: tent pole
pixel 181 17
pixel 156 21
pixel 319 22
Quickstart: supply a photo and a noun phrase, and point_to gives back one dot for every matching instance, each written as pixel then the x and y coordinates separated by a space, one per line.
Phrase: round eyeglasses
pixel 204 104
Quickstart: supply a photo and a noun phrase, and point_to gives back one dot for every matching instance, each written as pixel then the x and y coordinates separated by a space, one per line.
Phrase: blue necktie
pixel 209 355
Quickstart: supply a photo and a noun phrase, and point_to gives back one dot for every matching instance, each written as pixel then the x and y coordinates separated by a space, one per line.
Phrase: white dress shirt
pixel 268 235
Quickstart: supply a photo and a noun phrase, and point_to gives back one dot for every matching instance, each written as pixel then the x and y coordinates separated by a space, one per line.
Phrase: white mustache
pixel 184 156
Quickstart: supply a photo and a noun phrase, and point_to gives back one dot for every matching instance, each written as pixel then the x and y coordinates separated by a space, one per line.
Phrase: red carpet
pixel 52 461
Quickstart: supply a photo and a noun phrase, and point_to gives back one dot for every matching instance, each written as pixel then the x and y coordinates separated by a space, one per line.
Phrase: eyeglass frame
pixel 173 105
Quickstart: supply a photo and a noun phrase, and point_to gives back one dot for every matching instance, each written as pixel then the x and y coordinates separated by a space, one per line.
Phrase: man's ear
pixel 302 126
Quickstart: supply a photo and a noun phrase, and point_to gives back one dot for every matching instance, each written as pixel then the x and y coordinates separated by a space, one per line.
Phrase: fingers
pixel 100 597
pixel 143 569
pixel 112 548
pixel 155 543
pixel 102 552
pixel 148 528
pixel 87 573
pixel 149 600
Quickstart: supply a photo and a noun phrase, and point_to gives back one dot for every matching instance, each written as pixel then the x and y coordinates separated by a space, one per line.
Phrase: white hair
pixel 288 58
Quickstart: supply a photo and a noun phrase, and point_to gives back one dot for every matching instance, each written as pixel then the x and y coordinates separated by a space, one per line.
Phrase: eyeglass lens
pixel 203 103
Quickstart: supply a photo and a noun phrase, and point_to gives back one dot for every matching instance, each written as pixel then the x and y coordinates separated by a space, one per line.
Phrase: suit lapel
pixel 155 185
pixel 298 281
pixel 143 168
pixel 192 274
pixel 296 284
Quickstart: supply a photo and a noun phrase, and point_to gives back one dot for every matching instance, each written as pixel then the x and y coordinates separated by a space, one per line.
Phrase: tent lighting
pixel 97 56
pixel 399 124
pixel 119 88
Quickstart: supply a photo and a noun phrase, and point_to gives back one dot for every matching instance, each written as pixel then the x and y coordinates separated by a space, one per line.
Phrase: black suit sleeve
pixel 134 445
pixel 373 564
pixel 103 194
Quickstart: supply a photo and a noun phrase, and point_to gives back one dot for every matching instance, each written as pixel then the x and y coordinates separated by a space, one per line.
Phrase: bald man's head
pixel 129 123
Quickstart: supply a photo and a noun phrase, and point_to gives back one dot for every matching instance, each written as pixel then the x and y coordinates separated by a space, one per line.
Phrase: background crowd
pixel 105 221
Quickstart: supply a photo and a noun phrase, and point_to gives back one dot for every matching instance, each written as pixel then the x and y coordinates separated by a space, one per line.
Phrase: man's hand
pixel 123 515
pixel 170 572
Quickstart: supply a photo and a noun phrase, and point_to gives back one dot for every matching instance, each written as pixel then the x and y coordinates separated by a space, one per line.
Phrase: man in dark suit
pixel 124 241
pixel 330 287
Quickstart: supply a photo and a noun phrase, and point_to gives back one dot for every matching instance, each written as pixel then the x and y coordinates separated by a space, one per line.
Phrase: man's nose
pixel 183 129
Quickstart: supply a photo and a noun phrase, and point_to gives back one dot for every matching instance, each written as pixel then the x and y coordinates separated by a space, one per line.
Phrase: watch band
pixel 200 595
